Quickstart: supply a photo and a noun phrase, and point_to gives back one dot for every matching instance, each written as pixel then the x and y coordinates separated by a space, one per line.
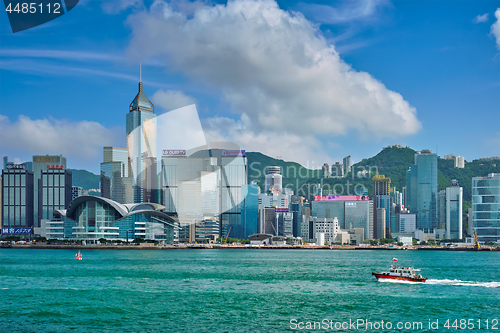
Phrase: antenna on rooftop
pixel 140 71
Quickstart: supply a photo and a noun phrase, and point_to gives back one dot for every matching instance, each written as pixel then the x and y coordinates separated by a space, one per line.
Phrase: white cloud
pixel 346 11
pixel 481 18
pixel 275 67
pixel 303 149
pixel 78 141
pixel 172 99
pixel 495 28
pixel 117 6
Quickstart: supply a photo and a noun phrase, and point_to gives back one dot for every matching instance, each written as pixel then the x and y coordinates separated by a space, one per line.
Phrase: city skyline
pixel 70 97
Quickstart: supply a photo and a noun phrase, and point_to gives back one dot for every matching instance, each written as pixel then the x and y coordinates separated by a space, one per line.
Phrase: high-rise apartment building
pixel 325 171
pixel 454 195
pixel 421 189
pixel 459 162
pixel 486 207
pixel 337 170
pixel 347 163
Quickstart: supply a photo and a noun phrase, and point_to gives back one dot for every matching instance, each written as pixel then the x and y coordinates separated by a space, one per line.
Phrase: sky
pixel 306 81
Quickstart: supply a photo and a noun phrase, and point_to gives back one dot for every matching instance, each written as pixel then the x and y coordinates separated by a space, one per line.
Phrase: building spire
pixel 140 76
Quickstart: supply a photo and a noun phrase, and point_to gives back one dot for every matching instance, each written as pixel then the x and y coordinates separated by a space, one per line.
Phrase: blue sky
pixel 306 81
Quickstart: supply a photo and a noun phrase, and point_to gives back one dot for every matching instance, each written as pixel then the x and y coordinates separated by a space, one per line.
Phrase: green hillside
pixel 391 162
pixel 85 179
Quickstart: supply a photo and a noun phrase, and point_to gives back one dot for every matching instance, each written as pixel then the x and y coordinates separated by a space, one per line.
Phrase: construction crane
pixel 476 242
pixel 225 242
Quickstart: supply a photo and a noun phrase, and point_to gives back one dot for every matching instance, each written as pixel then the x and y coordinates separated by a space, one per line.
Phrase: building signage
pixel 233 152
pixel 342 198
pixel 281 210
pixel 47 159
pixel 16 166
pixel 16 231
pixel 168 152
pixel 55 166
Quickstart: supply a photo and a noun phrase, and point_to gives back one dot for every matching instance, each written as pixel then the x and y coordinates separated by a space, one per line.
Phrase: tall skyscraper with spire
pixel 141 146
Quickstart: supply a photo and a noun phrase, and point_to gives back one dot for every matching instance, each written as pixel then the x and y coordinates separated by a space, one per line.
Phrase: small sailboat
pixel 78 256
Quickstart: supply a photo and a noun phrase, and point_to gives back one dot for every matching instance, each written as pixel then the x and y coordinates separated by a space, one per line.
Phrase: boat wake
pixel 447 282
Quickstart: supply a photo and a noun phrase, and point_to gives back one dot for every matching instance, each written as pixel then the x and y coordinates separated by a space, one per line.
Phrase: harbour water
pixel 245 291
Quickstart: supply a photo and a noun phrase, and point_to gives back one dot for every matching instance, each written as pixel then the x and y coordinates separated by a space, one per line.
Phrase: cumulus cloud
pixel 495 28
pixel 80 141
pixel 304 149
pixel 275 68
pixel 172 99
pixel 481 18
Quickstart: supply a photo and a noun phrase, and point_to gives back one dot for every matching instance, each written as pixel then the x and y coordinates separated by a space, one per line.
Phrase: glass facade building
pixel 55 189
pixel 454 195
pixel 17 197
pixel 141 144
pixel 486 207
pixel 421 189
pixel 90 218
pixel 42 163
pixel 250 209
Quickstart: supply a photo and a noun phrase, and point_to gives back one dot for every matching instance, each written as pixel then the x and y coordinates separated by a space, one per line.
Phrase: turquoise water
pixel 241 290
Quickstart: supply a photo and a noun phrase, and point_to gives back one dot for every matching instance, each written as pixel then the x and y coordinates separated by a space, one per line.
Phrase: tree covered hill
pixel 85 179
pixel 390 161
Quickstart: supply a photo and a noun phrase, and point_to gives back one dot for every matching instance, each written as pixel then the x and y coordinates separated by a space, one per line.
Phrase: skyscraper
pixel 250 209
pixel 421 189
pixel 381 185
pixel 54 192
pixel 454 195
pixel 141 144
pixel 17 198
pixel 382 199
pixel 40 164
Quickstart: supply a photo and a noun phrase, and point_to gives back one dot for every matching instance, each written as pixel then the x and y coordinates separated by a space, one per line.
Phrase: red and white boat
pixel 401 273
